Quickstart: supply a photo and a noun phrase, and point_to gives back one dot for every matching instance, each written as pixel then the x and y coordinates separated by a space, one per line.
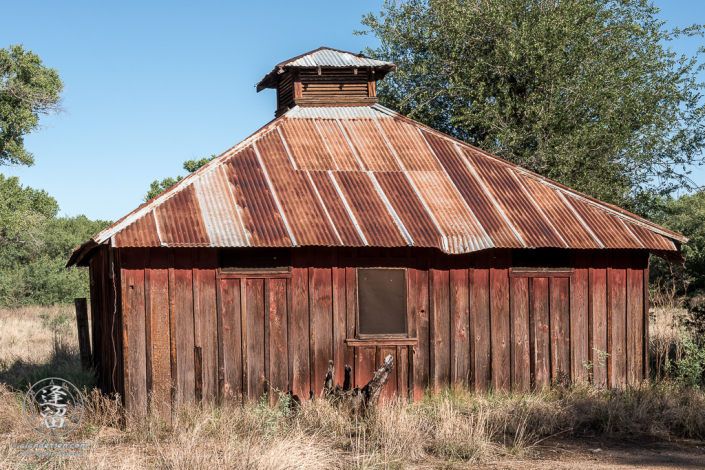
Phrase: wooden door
pixel 253 353
pixel 540 318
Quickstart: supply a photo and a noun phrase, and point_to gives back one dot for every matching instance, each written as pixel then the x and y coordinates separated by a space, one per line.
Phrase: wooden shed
pixel 343 230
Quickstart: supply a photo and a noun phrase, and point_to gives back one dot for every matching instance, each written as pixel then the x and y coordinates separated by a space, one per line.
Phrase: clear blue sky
pixel 151 84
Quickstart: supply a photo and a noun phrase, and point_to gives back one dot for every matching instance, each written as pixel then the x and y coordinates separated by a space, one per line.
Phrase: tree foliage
pixel 158 187
pixel 35 245
pixel 27 90
pixel 581 91
pixel 685 215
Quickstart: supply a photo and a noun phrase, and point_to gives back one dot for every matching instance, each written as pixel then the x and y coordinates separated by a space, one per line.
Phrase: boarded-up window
pixel 255 260
pixel 541 260
pixel 381 302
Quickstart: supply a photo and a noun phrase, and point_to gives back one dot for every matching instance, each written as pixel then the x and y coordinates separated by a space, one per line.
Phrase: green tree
pixel 158 187
pixel 27 90
pixel 685 215
pixel 23 212
pixel 581 91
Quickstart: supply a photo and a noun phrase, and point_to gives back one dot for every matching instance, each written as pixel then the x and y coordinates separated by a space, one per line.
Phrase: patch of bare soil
pixel 601 452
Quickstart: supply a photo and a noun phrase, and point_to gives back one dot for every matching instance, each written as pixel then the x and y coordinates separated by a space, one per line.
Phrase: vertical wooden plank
pixel 403 371
pixel 173 352
pixel 207 314
pixel 267 342
pixel 480 305
pixel 134 324
pixel 321 307
pixel 560 327
pixel 499 308
pixel 183 301
pixel 84 338
pixel 159 332
pixel 579 345
pixel 421 357
pixel 365 365
pixel 598 317
pixel 197 350
pixel 243 338
pixel 231 340
pixel 254 290
pixel 439 296
pixel 540 341
pixel 635 320
pixel 645 345
pixel 460 312
pixel 521 349
pixel 350 305
pixel 390 390
pixel 339 320
pixel 278 350
pixel 618 317
pixel 300 325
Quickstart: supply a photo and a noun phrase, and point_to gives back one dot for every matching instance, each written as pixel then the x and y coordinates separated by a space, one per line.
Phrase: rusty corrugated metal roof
pixel 367 176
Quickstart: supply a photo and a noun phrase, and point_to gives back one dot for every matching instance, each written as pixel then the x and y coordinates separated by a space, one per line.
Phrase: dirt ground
pixel 614 453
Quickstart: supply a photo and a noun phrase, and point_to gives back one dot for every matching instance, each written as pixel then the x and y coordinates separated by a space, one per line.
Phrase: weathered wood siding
pixel 189 332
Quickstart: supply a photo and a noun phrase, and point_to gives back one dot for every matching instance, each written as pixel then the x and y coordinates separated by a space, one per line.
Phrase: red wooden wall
pixel 183 331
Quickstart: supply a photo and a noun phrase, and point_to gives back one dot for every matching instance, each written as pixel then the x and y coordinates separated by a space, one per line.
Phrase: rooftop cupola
pixel 326 77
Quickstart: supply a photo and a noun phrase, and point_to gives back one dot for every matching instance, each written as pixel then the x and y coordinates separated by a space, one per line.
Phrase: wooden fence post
pixel 84 341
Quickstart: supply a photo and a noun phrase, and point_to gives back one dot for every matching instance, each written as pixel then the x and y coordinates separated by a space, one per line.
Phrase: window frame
pixel 265 272
pixel 360 337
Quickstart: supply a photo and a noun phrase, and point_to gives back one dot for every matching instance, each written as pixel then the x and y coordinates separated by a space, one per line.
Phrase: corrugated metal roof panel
pixel 561 216
pixel 284 186
pixel 516 206
pixel 252 193
pixel 346 112
pixel 180 220
pixel 336 208
pixel 302 209
pixel 370 145
pixel 220 213
pixel 142 232
pixel 306 145
pixel 456 221
pixel 375 222
pixel 607 228
pixel 338 145
pixel 409 146
pixel 469 187
pixel 410 209
pixel 325 57
pixel 651 240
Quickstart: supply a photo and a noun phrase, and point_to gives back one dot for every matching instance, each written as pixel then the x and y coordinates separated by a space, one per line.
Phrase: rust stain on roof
pixel 367 176
pixel 143 232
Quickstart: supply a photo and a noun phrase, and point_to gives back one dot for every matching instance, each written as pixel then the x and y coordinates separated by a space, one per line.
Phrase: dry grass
pixel 451 429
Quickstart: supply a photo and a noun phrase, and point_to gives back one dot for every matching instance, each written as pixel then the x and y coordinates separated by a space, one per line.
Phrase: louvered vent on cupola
pixel 326 77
